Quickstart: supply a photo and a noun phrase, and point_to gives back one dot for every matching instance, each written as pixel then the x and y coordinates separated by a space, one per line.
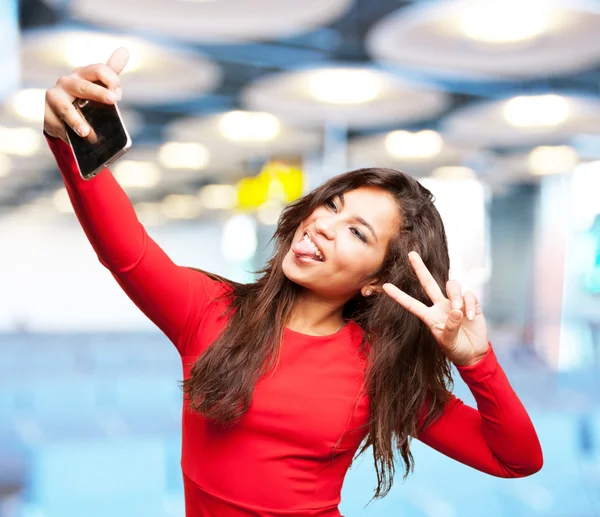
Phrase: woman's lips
pixel 305 248
pixel 306 260
pixel 317 244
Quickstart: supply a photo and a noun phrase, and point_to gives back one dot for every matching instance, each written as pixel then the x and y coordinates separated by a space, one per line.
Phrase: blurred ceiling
pixel 437 69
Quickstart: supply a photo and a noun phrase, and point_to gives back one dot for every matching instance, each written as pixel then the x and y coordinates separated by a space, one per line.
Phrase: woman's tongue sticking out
pixel 305 248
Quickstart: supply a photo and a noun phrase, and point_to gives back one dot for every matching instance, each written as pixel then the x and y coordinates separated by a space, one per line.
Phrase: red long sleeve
pixel 161 289
pixel 498 437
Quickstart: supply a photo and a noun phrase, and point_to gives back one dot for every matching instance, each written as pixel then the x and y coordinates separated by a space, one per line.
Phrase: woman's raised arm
pixel 167 293
pixel 498 437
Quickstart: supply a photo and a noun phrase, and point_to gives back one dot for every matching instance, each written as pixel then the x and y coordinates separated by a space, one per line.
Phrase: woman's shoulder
pixel 208 287
pixel 209 299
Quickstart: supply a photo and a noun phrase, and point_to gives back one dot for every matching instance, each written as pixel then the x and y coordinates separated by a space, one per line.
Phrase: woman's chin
pixel 296 267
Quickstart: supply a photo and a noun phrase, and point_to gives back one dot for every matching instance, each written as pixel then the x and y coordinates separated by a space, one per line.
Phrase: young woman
pixel 349 334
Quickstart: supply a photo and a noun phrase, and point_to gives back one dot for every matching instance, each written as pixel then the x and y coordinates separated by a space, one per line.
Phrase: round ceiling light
pixel 413 153
pixel 28 104
pixel 489 40
pixel 421 145
pixel 5 165
pixel 21 141
pixel 504 22
pixel 212 21
pixel 536 111
pixel 137 174
pixel 353 96
pixel 95 48
pixel 148 77
pixel 247 126
pixel 344 86
pixel 523 120
pixel 184 155
pixel 545 160
pixel 454 173
pixel 236 136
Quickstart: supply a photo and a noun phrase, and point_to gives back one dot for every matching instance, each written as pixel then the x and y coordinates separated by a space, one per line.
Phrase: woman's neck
pixel 315 316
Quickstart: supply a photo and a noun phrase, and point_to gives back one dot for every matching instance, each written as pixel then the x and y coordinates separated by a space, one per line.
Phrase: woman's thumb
pixel 118 60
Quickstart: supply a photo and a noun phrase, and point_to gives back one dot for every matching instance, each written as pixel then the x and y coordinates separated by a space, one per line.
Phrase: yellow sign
pixel 277 181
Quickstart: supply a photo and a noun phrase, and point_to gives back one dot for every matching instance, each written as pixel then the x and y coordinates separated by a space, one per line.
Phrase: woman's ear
pixel 371 289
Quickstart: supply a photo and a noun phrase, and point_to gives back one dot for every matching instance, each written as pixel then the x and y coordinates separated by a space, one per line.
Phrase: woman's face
pixel 352 231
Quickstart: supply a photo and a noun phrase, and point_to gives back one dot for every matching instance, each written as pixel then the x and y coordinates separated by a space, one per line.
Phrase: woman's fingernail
pixel 470 315
pixel 83 130
pixel 456 304
pixel 111 97
pixel 119 93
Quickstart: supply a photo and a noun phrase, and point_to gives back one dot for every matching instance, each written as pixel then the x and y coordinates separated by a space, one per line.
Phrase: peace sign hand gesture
pixel 464 342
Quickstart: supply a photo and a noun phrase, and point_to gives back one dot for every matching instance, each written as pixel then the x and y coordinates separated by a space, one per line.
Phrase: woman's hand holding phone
pixel 82 83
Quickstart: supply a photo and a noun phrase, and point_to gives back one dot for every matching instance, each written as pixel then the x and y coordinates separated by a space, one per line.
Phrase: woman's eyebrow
pixel 360 219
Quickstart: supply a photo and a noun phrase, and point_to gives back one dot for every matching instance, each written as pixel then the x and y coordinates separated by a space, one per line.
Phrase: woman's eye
pixel 356 232
pixel 359 234
pixel 330 203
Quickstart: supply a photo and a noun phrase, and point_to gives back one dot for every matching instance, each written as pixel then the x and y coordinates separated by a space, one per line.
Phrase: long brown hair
pixel 406 370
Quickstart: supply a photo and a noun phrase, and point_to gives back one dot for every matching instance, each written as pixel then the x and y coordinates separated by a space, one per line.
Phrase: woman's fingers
pixel 61 103
pixel 100 73
pixel 451 328
pixel 471 304
pixel 408 302
pixel 83 89
pixel 99 82
pixel 454 292
pixel 425 278
pixel 53 125
pixel 118 60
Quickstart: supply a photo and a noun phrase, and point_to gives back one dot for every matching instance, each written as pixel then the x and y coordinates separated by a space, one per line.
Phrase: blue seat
pixel 101 507
pixel 68 399
pixel 147 390
pixel 52 360
pixel 61 407
pixel 358 489
pixel 11 406
pixel 594 421
pixel 9 401
pixel 146 394
pixel 173 465
pixel 12 361
pixel 445 486
pixel 557 489
pixel 107 358
pixel 87 477
pixel 62 394
pixel 145 404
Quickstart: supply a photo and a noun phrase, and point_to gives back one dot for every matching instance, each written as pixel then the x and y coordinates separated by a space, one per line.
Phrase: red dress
pixel 279 460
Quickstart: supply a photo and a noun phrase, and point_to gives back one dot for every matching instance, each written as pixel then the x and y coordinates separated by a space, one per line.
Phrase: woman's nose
pixel 325 227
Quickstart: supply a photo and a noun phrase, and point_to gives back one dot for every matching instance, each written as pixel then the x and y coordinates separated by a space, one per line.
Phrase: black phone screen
pixel 107 138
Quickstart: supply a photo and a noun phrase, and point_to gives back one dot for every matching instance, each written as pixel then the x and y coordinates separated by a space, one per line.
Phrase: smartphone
pixel 107 141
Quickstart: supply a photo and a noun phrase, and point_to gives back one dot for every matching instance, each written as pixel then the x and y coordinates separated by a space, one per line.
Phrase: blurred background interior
pixel 237 107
